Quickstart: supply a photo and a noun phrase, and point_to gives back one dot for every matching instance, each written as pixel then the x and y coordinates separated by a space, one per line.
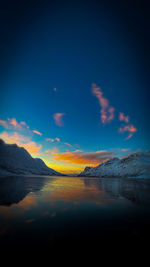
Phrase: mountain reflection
pixel 13 189
pixel 55 211
pixel 135 190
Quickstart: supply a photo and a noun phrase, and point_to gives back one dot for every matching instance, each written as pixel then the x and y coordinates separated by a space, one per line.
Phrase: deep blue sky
pixel 70 45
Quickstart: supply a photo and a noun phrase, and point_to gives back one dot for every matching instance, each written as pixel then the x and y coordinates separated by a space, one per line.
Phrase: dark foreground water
pixel 72 211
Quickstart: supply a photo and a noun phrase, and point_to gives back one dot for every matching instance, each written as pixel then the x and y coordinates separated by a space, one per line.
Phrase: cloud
pixel 125 149
pixel 128 128
pixel 32 148
pixel 23 141
pixel 58 119
pixel 77 157
pixel 55 89
pixel 13 124
pixel 49 152
pixel 57 139
pixel 51 140
pixel 122 117
pixel 14 138
pixel 67 144
pixel 37 132
pixel 24 124
pixel 4 124
pixel 107 112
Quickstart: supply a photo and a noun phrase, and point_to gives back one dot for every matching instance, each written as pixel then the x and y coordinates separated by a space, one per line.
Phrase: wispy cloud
pixel 14 137
pixel 124 118
pixel 58 119
pixel 67 144
pixel 51 140
pixel 33 148
pixel 37 132
pixel 13 124
pixel 107 112
pixel 49 152
pixel 23 141
pixel 128 128
pixel 77 157
pixel 57 139
pixel 125 149
pixel 4 124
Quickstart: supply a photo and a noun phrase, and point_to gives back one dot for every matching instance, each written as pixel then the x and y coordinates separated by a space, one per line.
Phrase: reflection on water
pixel 60 210
pixel 14 189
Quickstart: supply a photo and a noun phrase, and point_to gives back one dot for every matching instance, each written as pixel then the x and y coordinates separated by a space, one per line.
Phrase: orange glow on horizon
pixel 91 158
pixel 65 169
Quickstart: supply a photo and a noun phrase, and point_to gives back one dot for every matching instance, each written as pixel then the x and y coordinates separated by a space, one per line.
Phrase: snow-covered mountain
pixel 15 159
pixel 136 164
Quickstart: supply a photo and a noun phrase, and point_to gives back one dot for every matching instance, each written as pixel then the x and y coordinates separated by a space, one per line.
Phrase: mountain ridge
pixel 16 160
pixel 137 164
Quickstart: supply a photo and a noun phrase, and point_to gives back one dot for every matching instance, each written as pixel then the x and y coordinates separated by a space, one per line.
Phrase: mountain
pixel 15 159
pixel 136 164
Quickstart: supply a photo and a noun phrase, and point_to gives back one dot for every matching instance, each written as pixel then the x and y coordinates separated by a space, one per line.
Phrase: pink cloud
pixel 122 117
pixel 58 119
pixel 67 144
pixel 128 128
pixel 4 124
pixel 107 112
pixel 23 123
pixel 32 148
pixel 14 138
pixel 49 152
pixel 125 149
pixel 13 124
pixel 37 132
pixel 57 139
pixel 51 140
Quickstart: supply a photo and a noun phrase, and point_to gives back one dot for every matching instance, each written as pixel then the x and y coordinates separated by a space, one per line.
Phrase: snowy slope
pixel 15 159
pixel 136 164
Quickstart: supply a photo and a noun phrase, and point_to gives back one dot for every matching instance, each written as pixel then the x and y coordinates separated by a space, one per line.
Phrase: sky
pixel 75 80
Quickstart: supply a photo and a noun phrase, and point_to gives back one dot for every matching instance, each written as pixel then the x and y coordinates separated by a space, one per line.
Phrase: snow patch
pixel 136 164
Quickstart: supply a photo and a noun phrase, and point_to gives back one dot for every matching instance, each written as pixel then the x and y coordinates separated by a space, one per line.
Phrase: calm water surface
pixel 60 211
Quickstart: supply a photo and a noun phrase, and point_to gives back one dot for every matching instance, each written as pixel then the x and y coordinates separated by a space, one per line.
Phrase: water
pixel 66 211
